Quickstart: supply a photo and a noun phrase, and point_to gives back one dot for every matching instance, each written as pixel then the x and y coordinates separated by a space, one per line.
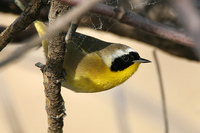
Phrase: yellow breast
pixel 92 75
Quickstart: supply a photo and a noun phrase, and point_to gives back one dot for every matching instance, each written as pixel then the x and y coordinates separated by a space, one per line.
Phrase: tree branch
pixel 30 14
pixel 132 19
pixel 185 51
pixel 134 26
pixel 53 72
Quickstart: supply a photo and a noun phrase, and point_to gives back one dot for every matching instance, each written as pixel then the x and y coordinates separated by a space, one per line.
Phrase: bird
pixel 92 65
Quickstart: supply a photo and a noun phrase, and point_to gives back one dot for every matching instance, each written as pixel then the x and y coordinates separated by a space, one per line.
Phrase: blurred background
pixel 133 107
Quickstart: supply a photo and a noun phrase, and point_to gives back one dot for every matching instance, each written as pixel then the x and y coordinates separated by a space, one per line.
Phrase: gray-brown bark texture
pixel 53 72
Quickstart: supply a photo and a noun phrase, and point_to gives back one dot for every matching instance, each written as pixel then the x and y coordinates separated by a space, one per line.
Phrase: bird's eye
pixel 125 58
pixel 134 55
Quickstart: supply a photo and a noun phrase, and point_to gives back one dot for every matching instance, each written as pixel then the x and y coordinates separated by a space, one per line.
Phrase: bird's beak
pixel 141 60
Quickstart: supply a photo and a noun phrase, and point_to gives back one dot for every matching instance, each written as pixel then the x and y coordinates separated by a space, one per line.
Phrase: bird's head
pixel 119 57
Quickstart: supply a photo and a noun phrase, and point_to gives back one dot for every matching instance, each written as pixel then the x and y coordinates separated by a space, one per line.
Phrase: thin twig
pixel 164 106
pixel 61 22
pixel 72 29
pixel 40 65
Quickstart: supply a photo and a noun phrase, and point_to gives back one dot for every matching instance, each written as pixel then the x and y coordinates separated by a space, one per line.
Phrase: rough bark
pixel 53 72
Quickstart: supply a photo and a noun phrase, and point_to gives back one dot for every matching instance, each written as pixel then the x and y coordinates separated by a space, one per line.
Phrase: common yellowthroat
pixel 93 65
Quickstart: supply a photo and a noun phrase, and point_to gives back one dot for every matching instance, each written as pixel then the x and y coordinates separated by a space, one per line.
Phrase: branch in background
pixel 173 42
pixel 189 17
pixel 30 14
pixel 177 49
pixel 132 19
pixel 140 23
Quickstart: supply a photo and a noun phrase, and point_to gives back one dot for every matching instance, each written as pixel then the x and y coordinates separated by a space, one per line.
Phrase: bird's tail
pixel 41 29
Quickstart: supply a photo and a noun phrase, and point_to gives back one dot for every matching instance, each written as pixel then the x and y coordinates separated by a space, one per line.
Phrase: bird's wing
pixel 88 44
